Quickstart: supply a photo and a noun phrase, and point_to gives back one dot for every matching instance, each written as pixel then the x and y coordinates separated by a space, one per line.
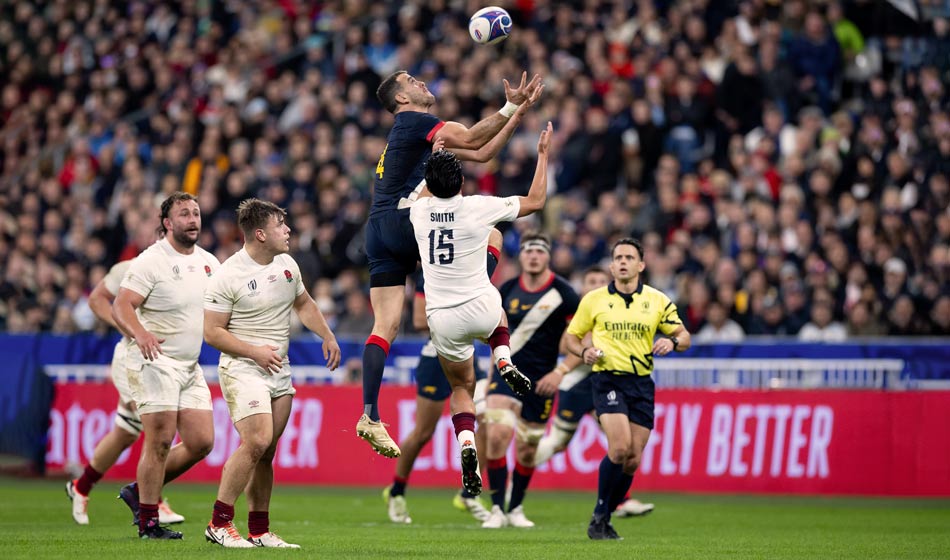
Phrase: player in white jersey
pixel 160 305
pixel 247 317
pixel 128 425
pixel 461 303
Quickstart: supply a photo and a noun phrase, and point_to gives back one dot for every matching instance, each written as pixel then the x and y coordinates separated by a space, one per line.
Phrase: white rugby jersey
pixel 113 279
pixel 173 286
pixel 452 234
pixel 258 297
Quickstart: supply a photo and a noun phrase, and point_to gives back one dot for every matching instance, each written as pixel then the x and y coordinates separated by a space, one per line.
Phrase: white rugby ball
pixel 489 25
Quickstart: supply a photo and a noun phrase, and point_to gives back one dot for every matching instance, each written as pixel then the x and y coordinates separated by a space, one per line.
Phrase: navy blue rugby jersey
pixel 536 321
pixel 402 164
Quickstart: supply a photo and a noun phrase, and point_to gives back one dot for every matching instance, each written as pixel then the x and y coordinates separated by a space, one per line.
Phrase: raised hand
pixel 545 141
pixel 523 91
pixel 439 144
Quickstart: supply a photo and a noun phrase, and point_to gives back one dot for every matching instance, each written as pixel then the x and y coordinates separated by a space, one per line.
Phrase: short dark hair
pixel 254 213
pixel 594 269
pixel 627 241
pixel 386 92
pixel 167 204
pixel 444 174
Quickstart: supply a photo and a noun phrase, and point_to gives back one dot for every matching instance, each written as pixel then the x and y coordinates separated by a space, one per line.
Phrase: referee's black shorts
pixel 628 394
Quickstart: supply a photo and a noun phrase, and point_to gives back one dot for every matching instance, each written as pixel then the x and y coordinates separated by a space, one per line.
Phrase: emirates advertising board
pixel 782 441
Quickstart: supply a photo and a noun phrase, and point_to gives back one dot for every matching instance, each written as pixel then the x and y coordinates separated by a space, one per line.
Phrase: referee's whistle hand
pixel 662 347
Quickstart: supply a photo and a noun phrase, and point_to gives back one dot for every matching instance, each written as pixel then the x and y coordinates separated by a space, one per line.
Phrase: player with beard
pixel 159 305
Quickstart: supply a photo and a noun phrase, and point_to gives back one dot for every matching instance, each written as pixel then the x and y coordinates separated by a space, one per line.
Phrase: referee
pixel 623 318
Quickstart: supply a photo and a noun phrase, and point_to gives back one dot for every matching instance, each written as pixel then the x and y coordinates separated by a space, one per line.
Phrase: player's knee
pixel 202 447
pixel 501 423
pixel 386 327
pixel 619 455
pixel 632 463
pixel 269 453
pixel 257 445
pixel 530 434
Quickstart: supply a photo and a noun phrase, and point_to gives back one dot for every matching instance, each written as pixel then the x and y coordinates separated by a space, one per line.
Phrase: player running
pixel 539 305
pixel 128 424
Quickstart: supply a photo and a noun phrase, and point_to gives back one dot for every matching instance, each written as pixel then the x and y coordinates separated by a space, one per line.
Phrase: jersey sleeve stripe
pixel 435 129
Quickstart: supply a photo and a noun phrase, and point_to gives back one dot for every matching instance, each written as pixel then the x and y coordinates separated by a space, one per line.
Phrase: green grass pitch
pixel 352 523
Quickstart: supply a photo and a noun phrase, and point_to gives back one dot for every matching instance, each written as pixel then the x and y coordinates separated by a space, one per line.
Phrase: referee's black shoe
pixel 518 382
pixel 600 529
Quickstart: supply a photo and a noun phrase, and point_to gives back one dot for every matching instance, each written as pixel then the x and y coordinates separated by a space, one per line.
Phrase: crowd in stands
pixel 786 163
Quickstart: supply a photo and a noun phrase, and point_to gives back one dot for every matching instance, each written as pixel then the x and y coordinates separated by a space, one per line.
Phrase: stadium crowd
pixel 786 164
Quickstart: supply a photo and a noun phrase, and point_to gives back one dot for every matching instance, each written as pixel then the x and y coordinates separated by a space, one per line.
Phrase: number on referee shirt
pixel 445 248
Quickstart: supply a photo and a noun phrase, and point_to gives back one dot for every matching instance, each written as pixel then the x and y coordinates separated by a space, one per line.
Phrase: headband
pixel 536 244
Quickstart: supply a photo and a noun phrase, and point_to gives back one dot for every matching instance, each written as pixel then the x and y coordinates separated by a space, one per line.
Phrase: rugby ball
pixel 489 25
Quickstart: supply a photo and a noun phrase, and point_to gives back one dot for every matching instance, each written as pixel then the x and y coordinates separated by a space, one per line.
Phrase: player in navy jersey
pixel 390 245
pixel 539 305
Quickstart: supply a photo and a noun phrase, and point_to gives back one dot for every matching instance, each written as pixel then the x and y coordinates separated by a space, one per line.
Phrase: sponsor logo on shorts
pixel 254 404
pixel 612 398
pixel 429 389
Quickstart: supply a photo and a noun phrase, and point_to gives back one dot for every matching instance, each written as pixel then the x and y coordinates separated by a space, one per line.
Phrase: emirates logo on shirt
pixel 288 276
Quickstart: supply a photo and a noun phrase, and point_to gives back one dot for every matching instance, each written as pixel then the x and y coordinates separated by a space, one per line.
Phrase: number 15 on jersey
pixel 443 248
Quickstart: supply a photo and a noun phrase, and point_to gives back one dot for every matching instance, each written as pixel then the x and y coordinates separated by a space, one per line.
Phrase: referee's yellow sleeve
pixel 582 323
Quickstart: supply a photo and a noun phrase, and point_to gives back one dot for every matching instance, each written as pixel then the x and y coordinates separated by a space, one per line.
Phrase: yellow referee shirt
pixel 623 326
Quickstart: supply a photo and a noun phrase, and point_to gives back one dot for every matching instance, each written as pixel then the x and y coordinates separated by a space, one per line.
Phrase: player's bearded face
pixel 418 93
pixel 185 218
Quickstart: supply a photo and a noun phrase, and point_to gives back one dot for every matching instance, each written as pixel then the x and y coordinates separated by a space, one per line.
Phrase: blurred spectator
pixel 822 327
pixel 719 327
pixel 716 132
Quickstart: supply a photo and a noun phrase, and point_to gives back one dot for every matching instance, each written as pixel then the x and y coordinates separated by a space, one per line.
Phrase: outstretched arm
pixel 538 193
pixel 457 135
pixel 498 141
